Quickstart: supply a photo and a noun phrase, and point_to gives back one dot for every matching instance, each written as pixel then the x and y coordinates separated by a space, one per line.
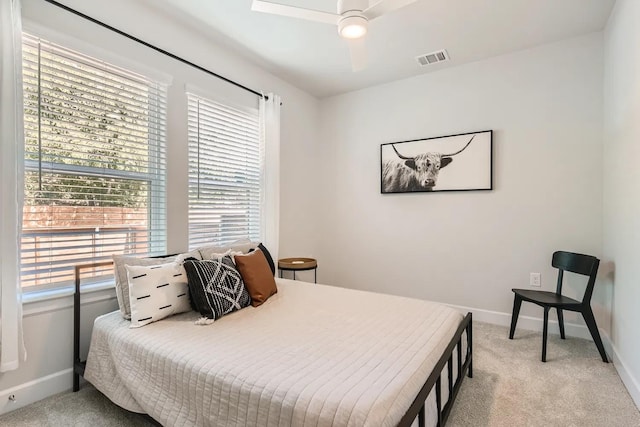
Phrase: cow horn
pixel 458 152
pixel 400 155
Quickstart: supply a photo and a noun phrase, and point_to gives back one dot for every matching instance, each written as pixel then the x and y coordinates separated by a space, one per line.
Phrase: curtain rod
pixel 157 49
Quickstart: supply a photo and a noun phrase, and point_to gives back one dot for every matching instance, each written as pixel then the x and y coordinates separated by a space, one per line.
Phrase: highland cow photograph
pixel 462 162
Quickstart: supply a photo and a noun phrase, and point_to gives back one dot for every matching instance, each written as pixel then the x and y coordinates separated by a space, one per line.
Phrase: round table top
pixel 297 263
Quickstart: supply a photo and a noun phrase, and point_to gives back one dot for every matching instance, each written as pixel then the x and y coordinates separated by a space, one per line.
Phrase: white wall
pixel 48 326
pixel 622 184
pixel 470 248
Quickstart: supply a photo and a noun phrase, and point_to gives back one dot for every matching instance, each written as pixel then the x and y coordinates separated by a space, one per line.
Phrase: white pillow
pixel 120 273
pixel 157 292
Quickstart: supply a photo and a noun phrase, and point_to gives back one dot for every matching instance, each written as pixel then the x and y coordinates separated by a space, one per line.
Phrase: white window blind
pixel 94 163
pixel 225 172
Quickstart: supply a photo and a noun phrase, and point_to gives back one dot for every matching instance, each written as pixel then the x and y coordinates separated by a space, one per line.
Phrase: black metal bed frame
pixel 417 408
pixel 78 363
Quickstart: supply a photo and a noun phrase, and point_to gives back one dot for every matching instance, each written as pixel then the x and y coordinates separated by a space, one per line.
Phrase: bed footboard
pixel 417 408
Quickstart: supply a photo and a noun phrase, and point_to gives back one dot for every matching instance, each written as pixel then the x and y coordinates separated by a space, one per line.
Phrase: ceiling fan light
pixel 353 27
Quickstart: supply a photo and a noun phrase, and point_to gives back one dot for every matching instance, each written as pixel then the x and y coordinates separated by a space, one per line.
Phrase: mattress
pixel 312 355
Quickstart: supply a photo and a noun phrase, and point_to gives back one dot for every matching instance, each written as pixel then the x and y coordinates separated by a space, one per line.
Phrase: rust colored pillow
pixel 257 276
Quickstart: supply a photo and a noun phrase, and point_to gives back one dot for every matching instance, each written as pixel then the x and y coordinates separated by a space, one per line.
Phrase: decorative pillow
pixel 267 255
pixel 214 251
pixel 156 292
pixel 120 273
pixel 180 258
pixel 257 276
pixel 229 253
pixel 216 287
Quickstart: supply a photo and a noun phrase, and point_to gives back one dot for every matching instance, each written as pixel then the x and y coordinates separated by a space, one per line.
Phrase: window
pixel 94 164
pixel 225 172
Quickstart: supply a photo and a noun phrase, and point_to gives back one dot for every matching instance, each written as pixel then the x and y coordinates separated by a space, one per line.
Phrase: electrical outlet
pixel 534 280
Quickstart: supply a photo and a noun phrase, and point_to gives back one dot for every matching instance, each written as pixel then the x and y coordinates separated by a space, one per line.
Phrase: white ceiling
pixel 313 57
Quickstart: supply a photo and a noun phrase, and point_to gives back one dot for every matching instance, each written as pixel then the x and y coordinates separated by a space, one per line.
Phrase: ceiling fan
pixel 352 20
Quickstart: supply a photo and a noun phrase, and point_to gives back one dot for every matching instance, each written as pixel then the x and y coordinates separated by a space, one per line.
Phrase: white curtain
pixel 12 350
pixel 270 124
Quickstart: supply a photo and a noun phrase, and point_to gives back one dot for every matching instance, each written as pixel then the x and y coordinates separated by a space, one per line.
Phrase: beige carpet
pixel 510 387
pixel 86 408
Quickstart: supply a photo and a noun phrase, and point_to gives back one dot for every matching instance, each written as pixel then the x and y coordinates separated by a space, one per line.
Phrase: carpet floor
pixel 510 388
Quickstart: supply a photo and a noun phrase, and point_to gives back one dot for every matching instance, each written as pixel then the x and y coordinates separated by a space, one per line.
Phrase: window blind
pixel 225 172
pixel 94 163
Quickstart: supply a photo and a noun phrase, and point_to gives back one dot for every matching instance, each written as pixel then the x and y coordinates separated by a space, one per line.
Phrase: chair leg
pixel 587 314
pixel 544 334
pixel 560 321
pixel 517 302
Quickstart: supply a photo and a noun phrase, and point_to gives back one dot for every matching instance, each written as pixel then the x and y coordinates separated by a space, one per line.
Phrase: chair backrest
pixel 585 265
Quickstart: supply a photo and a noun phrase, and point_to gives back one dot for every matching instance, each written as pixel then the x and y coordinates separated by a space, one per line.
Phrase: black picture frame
pixel 416 166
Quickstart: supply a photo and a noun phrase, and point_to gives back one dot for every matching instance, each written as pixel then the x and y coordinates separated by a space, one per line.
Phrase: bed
pixel 312 355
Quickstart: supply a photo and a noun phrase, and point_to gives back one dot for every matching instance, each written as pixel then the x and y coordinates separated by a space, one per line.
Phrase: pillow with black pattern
pixel 216 287
pixel 156 292
pixel 120 273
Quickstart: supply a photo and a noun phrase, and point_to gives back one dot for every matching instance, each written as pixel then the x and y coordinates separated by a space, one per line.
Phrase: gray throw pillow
pixel 210 251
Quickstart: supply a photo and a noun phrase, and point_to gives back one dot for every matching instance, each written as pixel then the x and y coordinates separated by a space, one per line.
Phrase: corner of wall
pixel 621 201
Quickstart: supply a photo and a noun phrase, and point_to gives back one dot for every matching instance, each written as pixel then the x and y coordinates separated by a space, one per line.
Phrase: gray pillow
pixel 120 273
pixel 243 245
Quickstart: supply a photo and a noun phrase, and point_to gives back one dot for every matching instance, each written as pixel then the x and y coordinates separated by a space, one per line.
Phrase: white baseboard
pixel 632 383
pixel 531 323
pixel 57 382
pixel 571 329
pixel 33 391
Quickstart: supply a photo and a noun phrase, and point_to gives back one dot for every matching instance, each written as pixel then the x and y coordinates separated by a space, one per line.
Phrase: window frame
pixel 258 226
pixel 155 177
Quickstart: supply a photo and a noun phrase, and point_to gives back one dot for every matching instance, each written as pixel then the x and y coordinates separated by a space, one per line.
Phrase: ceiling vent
pixel 432 58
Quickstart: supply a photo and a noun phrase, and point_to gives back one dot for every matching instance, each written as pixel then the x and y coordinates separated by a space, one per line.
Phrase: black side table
pixel 298 264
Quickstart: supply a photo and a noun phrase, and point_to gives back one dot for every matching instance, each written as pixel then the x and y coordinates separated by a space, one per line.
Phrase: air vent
pixel 432 58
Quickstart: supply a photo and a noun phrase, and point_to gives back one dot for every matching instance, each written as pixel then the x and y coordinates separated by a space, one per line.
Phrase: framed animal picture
pixel 462 162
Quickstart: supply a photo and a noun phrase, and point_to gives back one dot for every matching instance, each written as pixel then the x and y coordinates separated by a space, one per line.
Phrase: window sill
pixel 43 301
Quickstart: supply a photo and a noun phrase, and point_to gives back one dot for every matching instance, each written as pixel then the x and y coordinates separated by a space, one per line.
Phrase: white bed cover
pixel 312 355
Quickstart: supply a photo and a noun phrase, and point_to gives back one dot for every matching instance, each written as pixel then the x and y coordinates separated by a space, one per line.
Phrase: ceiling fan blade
pixel 294 12
pixel 385 6
pixel 358 51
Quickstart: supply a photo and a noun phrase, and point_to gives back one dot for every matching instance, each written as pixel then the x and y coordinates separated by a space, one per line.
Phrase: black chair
pixel 564 261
